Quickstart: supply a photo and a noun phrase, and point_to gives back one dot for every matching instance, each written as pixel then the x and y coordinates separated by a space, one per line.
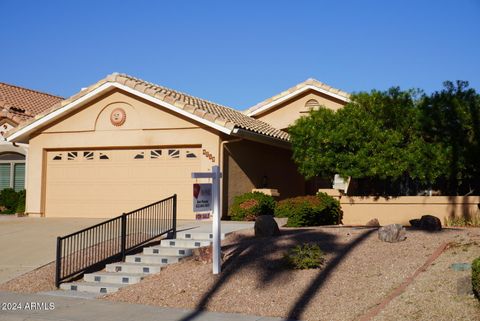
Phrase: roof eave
pixel 260 138
pixel 291 95
pixel 23 134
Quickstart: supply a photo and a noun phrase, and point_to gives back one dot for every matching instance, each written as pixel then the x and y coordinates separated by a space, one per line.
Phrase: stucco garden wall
pixel 359 210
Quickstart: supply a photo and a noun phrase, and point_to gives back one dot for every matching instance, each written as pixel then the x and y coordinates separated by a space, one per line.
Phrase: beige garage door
pixel 106 183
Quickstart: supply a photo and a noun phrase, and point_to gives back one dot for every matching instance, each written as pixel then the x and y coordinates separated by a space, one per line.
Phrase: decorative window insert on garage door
pixel 106 183
pixel 12 171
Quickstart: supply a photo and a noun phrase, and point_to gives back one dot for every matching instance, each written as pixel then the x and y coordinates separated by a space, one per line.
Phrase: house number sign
pixel 118 117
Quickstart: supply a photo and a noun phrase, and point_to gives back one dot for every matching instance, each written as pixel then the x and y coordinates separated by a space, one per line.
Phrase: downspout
pixel 220 162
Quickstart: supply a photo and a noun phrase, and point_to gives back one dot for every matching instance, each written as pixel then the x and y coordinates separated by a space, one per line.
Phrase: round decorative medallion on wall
pixel 118 117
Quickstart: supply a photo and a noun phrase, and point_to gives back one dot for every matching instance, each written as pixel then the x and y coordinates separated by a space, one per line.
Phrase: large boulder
pixel 392 233
pixel 427 222
pixel 415 223
pixel 266 226
pixel 373 223
pixel 430 223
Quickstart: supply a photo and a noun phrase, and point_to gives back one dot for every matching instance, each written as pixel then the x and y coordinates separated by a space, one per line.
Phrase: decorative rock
pixel 415 223
pixel 266 226
pixel 373 222
pixel 203 254
pixel 427 222
pixel 392 233
pixel 430 223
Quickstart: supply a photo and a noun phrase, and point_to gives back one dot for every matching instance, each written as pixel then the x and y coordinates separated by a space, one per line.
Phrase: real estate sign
pixel 202 197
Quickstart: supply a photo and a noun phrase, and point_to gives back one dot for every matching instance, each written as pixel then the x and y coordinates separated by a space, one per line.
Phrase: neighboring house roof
pixel 309 84
pixel 20 104
pixel 222 118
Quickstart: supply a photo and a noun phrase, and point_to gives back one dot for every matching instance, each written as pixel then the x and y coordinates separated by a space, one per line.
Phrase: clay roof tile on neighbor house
pixel 20 104
pixel 213 113
pixel 307 84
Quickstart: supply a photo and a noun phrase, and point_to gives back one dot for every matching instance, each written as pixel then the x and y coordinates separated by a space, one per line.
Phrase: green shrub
pixel 248 206
pixel 21 202
pixel 310 210
pixel 9 200
pixel 306 256
pixel 476 277
pixel 12 202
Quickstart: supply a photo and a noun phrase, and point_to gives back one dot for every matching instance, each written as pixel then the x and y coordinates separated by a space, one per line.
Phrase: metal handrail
pixel 93 246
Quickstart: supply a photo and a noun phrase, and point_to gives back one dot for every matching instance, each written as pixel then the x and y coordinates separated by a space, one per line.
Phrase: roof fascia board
pixel 295 93
pixel 98 91
pixel 54 115
pixel 174 108
pixel 242 133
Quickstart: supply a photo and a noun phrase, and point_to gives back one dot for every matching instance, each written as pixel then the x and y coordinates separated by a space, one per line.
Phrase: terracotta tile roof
pixel 221 115
pixel 20 104
pixel 309 82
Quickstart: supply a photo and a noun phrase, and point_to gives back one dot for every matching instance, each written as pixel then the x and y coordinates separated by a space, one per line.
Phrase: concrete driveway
pixel 28 243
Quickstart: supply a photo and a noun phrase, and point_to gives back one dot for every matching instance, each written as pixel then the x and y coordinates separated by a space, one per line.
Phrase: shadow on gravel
pixel 251 251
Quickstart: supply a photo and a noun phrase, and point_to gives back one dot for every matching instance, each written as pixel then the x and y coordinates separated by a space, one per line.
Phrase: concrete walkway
pixel 35 307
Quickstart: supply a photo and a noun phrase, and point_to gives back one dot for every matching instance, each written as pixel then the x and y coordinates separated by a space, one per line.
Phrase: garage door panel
pixel 83 184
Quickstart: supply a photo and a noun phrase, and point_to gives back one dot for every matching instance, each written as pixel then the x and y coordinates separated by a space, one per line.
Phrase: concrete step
pixel 184 243
pixel 92 287
pixel 170 251
pixel 156 259
pixel 186 235
pixel 114 277
pixel 125 267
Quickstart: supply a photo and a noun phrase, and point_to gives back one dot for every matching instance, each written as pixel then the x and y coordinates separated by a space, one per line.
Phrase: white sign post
pixel 215 175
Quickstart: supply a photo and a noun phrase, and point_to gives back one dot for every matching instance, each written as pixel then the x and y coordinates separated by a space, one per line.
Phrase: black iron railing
pixel 94 246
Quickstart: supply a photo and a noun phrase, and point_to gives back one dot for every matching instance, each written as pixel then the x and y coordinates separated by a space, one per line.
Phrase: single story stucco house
pixel 123 143
pixel 17 105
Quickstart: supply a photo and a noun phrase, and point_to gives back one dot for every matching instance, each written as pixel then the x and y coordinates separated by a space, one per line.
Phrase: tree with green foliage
pixel 375 136
pixel 396 136
pixel 451 118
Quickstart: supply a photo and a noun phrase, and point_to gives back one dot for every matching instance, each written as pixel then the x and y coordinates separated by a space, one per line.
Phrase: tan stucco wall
pixel 399 210
pixel 246 163
pixel 146 126
pixel 286 113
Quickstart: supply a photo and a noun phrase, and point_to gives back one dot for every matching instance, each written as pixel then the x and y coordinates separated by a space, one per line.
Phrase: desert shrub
pixel 248 206
pixel 305 256
pixel 310 210
pixel 9 200
pixel 473 221
pixel 12 201
pixel 21 202
pixel 476 277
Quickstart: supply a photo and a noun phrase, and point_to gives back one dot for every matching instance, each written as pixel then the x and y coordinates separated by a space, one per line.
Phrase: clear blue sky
pixel 240 52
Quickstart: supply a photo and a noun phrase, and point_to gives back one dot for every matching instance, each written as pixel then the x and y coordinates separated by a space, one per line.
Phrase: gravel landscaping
pixel 38 280
pixel 441 294
pixel 359 273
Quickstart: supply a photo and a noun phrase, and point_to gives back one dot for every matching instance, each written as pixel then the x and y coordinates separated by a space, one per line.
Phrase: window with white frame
pixel 12 171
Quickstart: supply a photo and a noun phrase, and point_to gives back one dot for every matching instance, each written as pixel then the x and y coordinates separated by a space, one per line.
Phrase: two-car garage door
pixel 106 183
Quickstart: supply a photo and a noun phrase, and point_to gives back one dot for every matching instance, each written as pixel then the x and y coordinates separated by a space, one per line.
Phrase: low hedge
pixel 476 277
pixel 321 209
pixel 248 206
pixel 11 201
